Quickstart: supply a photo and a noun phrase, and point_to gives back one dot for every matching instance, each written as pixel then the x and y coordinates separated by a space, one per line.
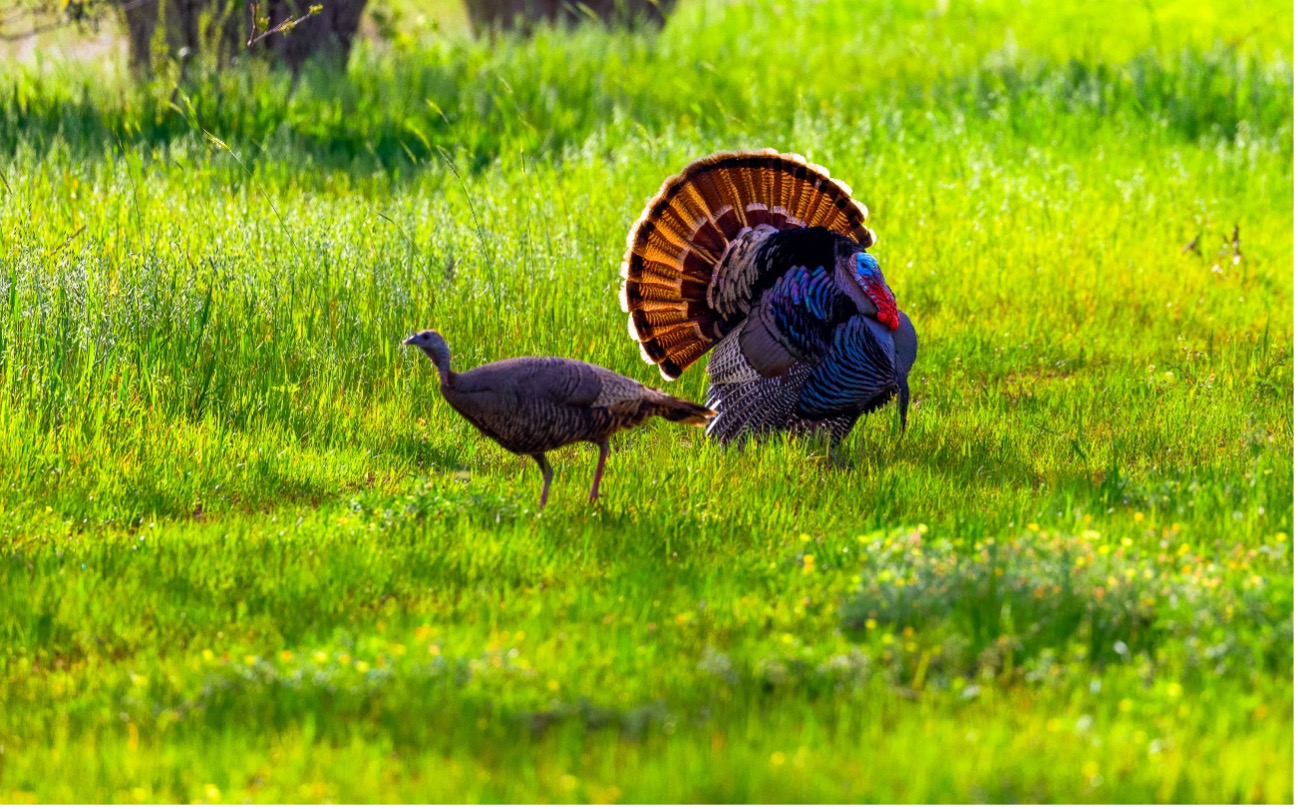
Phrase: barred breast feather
pixel 861 370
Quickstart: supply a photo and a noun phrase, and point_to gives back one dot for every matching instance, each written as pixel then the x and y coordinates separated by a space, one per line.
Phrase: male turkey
pixel 531 405
pixel 763 257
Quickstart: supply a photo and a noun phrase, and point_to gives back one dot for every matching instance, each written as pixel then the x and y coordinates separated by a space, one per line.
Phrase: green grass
pixel 247 553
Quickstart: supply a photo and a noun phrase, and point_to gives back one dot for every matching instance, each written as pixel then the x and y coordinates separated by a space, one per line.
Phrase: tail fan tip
pixel 683 411
pixel 697 419
pixel 674 247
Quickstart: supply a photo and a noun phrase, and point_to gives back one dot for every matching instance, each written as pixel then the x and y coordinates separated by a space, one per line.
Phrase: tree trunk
pixel 328 34
pixel 522 15
pixel 224 26
pixel 140 21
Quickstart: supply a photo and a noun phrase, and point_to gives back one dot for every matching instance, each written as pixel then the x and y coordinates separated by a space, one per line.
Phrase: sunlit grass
pixel 249 554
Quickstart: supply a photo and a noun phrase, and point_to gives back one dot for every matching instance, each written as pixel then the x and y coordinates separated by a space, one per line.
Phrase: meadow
pixel 247 553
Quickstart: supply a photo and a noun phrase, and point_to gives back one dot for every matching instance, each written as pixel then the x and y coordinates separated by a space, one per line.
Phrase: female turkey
pixel 531 405
pixel 761 258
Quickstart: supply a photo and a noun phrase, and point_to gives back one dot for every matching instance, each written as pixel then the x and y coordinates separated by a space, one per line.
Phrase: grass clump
pixel 1104 602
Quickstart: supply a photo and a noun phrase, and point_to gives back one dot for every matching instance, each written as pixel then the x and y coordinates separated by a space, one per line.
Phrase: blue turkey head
pixel 870 277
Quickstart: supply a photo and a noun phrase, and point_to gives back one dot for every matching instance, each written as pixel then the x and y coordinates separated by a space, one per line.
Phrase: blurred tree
pixel 306 28
pixel 181 29
pixel 329 33
pixel 511 15
pixel 20 19
pixel 292 31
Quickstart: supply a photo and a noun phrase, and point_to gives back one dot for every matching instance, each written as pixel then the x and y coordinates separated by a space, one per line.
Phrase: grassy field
pixel 248 553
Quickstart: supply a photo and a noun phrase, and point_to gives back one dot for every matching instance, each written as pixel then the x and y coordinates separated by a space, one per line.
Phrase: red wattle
pixel 887 306
pixel 883 300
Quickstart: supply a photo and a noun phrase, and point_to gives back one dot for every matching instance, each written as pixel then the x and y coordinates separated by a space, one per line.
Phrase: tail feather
pixel 682 410
pixel 674 249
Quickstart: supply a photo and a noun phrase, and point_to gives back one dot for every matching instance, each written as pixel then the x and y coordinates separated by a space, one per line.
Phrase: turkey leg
pixel 599 469
pixel 546 474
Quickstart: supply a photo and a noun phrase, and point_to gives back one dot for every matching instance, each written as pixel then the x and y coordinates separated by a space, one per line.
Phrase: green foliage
pixel 248 554
pixel 1037 595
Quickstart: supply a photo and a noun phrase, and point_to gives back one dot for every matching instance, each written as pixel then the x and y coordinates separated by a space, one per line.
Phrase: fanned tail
pixel 676 247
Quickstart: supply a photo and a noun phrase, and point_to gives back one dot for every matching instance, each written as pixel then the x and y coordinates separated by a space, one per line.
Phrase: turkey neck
pixel 443 364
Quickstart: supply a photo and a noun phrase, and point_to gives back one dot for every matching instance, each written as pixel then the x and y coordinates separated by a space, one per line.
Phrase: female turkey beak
pixel 409 341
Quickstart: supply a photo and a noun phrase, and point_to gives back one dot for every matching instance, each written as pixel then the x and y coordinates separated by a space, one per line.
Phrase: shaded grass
pixel 706 74
pixel 250 554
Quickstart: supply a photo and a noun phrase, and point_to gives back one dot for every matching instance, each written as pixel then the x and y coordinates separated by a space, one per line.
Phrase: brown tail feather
pixel 682 410
pixel 675 246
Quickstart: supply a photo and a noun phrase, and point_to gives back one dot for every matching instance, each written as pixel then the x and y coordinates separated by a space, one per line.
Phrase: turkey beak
pixel 409 341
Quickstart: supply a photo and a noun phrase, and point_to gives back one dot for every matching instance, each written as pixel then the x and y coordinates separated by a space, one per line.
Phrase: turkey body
pixel 763 260
pixel 531 405
pixel 859 373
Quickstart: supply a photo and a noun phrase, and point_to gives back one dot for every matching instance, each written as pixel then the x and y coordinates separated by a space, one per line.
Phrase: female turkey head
pixel 870 279
pixel 435 347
